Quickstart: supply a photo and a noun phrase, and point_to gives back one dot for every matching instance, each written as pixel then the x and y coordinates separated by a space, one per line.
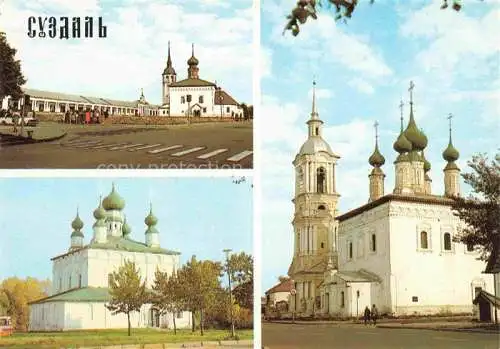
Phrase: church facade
pixel 194 96
pixel 397 251
pixel 80 276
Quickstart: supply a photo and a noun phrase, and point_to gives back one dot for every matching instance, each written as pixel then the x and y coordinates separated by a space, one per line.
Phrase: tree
pixel 11 77
pixel 16 294
pixel 241 271
pixel 128 292
pixel 167 296
pixel 343 10
pixel 481 210
pixel 199 285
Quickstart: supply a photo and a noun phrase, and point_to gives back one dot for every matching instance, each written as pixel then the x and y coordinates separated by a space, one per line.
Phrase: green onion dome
pixel 150 219
pixel 450 154
pixel 99 213
pixel 427 165
pixel 402 144
pixel 192 61
pixel 126 230
pixel 77 223
pixel 113 201
pixel 376 159
pixel 417 138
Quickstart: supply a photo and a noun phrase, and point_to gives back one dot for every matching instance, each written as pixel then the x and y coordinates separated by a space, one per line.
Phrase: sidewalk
pixel 207 345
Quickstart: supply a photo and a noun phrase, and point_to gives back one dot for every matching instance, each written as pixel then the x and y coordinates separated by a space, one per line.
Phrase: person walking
pixel 374 314
pixel 366 317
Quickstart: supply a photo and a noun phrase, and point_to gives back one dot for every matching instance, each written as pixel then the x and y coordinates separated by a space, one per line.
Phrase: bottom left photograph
pixel 102 262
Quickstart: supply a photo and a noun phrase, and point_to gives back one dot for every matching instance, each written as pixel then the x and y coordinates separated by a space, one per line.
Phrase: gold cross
pixel 376 130
pixel 412 85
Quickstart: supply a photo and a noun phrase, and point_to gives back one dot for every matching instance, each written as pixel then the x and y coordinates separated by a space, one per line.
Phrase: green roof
pixel 120 243
pixel 192 82
pixel 87 294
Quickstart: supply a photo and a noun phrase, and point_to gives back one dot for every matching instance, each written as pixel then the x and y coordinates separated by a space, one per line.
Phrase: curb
pixel 444 329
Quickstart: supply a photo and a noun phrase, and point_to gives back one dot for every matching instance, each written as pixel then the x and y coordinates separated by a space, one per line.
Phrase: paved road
pixel 354 336
pixel 210 145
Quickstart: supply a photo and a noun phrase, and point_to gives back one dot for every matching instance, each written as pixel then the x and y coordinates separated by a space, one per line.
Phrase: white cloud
pixel 453 38
pixel 265 62
pixel 134 53
pixel 321 93
pixel 361 85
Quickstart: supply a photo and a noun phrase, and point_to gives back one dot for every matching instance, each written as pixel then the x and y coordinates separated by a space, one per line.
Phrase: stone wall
pixel 136 120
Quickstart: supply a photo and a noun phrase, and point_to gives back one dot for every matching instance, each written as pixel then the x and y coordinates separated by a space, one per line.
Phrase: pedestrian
pixel 374 314
pixel 367 315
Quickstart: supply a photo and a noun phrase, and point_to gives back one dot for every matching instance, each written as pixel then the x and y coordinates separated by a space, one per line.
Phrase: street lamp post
pixel 227 251
pixel 221 98
pixel 188 97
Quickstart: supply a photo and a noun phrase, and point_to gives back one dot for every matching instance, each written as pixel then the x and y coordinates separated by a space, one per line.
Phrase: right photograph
pixel 380 172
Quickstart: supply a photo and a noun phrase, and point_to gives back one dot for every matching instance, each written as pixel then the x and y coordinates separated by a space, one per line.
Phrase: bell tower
pixel 168 77
pixel 314 224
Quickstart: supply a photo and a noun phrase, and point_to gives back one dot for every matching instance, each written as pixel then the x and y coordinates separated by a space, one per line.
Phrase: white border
pixel 257 194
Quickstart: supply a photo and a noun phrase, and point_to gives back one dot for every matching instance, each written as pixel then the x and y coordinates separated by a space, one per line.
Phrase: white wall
pixel 103 262
pixel 359 230
pixel 57 316
pixel 74 265
pixel 179 109
pixel 442 280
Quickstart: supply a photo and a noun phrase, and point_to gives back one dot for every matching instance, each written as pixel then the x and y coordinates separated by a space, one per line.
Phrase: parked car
pixel 6 328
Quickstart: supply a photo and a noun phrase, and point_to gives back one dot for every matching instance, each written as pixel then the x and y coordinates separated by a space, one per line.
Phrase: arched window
pixel 321 207
pixel 374 243
pixel 447 241
pixel 321 179
pixel 342 300
pixel 316 131
pixel 349 246
pixel 424 243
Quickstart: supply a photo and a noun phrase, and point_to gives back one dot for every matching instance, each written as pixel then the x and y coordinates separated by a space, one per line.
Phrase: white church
pixel 80 276
pixel 194 96
pixel 396 251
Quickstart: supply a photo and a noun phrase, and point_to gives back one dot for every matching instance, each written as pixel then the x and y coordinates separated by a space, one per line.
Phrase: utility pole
pixel 227 251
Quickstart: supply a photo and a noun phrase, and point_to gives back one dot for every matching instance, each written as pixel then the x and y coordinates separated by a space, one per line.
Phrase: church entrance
pixel 154 318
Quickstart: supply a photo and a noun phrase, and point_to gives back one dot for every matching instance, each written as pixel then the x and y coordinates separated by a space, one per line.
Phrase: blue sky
pixel 199 216
pixel 134 54
pixel 363 69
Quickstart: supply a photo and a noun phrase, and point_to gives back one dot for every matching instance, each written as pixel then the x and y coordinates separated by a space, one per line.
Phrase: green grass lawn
pixel 111 337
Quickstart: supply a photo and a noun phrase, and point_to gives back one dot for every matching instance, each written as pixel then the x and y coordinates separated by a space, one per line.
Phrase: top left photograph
pixel 162 84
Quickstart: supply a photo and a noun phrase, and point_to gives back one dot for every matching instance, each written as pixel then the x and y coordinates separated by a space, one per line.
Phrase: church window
pixel 80 281
pixel 424 243
pixel 200 99
pixel 183 99
pixel 321 207
pixel 227 110
pixel 69 282
pixel 179 314
pixel 342 300
pixel 60 284
pixel 414 299
pixel 349 248
pixel 447 241
pixel 204 110
pixel 316 131
pixel 298 239
pixel 321 180
pixel 470 247
pixel 322 245
pixel 374 243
